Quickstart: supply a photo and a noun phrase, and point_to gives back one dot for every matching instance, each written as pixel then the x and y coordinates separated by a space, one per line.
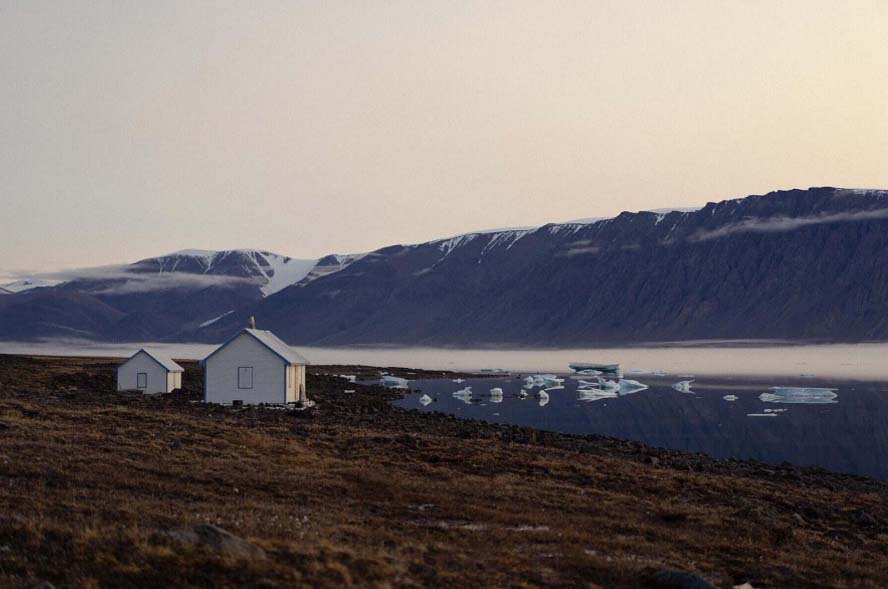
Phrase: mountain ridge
pixel 730 269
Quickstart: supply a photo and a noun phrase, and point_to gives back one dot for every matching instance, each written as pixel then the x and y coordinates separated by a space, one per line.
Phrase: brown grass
pixel 359 494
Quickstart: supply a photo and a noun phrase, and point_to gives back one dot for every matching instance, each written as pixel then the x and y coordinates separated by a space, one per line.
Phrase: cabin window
pixel 142 380
pixel 245 377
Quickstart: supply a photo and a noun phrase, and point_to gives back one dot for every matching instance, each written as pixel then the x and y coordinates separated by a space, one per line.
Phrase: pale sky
pixel 130 129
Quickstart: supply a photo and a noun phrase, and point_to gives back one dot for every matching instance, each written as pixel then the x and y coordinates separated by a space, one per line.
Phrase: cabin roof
pixel 270 341
pixel 161 359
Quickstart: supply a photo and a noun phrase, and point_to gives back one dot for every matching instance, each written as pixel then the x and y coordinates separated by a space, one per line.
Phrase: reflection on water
pixel 839 424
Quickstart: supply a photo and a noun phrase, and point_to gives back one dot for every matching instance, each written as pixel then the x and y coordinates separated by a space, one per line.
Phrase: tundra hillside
pixel 100 489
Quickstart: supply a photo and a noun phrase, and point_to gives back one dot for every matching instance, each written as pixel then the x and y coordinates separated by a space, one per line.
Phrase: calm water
pixel 847 434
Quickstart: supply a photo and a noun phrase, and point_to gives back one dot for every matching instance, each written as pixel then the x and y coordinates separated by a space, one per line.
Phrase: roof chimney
pixel 251 322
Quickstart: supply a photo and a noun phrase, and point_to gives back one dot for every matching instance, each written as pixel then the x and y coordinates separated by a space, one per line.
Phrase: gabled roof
pixel 270 341
pixel 161 359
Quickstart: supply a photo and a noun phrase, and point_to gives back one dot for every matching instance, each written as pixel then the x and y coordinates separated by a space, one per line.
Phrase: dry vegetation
pixel 359 494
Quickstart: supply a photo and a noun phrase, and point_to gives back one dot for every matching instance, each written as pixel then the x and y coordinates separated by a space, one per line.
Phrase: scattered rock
pixel 865 519
pixel 672 579
pixel 216 539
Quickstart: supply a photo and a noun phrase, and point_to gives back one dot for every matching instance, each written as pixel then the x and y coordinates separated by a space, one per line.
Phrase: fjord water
pixel 846 434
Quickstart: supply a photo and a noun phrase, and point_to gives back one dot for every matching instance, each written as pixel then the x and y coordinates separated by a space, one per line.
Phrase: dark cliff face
pixel 800 264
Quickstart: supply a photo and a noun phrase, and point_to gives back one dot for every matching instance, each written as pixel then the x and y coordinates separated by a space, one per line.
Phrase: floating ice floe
pixel 394 382
pixel 595 395
pixel 730 397
pixel 425 400
pixel 683 386
pixel 587 384
pixel 761 415
pixel 557 387
pixel 543 397
pixel 802 395
pixel 627 387
pixel 464 395
pixel 546 380
pixel 624 386
pixel 776 410
pixel 496 395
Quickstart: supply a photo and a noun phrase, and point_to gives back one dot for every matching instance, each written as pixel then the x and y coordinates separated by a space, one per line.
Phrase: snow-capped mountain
pixel 798 264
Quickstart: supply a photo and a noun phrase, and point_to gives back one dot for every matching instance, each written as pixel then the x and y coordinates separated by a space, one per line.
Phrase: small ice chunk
pixel 730 397
pixel 544 398
pixel 522 394
pixel 761 415
pixel 683 386
pixel 496 395
pixel 349 391
pixel 425 400
pixel 458 380
pixel 800 395
pixel 627 387
pixel 529 382
pixel 464 395
pixel 394 382
pixel 595 395
pixel 348 377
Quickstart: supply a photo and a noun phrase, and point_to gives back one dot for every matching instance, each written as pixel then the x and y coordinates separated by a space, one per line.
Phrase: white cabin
pixel 254 367
pixel 149 372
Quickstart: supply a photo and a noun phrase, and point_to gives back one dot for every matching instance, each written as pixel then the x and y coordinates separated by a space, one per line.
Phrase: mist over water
pixel 854 361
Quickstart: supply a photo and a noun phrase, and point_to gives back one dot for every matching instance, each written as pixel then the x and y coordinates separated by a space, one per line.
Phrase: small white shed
pixel 254 367
pixel 149 372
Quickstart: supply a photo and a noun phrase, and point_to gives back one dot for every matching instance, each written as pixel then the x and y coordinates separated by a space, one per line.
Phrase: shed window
pixel 142 380
pixel 245 377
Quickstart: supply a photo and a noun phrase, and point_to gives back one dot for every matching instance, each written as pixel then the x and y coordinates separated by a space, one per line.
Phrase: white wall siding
pixel 127 375
pixel 269 373
pixel 174 381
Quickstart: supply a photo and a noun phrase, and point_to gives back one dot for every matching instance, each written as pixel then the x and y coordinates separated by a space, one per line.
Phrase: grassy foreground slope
pixel 357 493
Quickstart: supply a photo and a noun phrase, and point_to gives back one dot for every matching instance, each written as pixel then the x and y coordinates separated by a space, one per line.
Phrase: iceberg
pixel 595 395
pixel 683 386
pixel 627 387
pixel 496 395
pixel 464 395
pixel 425 400
pixel 394 382
pixel 800 395
pixel 544 398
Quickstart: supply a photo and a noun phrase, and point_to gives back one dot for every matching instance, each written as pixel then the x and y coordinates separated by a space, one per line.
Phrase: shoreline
pixel 358 492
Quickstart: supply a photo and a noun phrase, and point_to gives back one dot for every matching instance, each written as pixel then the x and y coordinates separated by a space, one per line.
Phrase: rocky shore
pixel 104 489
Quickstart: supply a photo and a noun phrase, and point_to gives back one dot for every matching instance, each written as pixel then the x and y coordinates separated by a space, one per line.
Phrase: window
pixel 245 377
pixel 142 380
